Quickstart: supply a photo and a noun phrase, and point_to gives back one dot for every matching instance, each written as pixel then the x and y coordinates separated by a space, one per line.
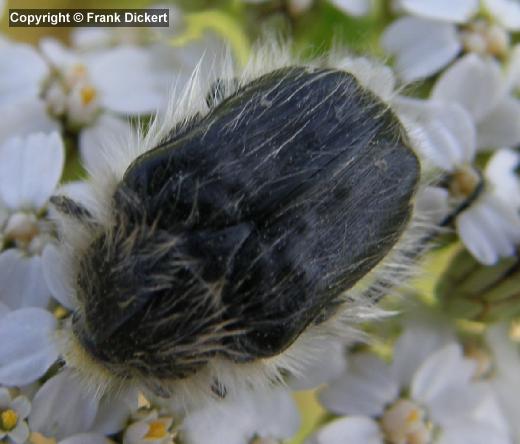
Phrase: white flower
pixel 86 438
pixel 480 87
pixel 149 427
pixel 352 429
pixel 90 93
pixel 506 12
pixel 501 171
pixel 54 270
pixel 435 32
pixel 13 414
pixel 506 377
pixel 444 132
pixel 236 420
pixel 490 227
pixel 356 8
pixel 324 365
pixel 446 129
pixel 28 349
pixel 443 10
pixel 30 169
pixel 426 395
pixel 21 72
pixel 22 161
pixel 63 407
pixel 417 56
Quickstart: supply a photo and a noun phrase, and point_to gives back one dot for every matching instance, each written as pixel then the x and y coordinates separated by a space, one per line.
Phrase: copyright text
pixel 89 17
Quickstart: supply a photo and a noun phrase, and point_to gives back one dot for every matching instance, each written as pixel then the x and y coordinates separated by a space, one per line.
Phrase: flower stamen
pixel 405 422
pixel 8 419
pixel 21 228
pixel 156 430
pixel 88 94
pixel 464 182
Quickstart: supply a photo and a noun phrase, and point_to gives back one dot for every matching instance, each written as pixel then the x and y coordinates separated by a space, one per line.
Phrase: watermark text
pixel 89 17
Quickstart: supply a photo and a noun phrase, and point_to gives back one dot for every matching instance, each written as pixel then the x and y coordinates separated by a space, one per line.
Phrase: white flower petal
pixel 505 352
pixel 25 117
pixel 20 433
pixel 57 53
pixel 501 173
pixel 23 284
pixel 353 430
pixel 86 438
pixel 54 271
pixel 135 432
pixel 365 389
pixel 441 371
pixel 421 47
pixel 22 406
pixel 506 382
pixel 472 432
pixel 89 38
pixel 5 398
pixel 450 405
pixel 237 420
pixel 278 413
pixel 357 8
pixel 113 412
pixel 22 71
pixel 459 11
pixel 475 237
pixel 432 202
pixel 513 69
pixel 489 228
pixel 27 349
pixel 105 131
pixel 474 83
pixel 375 76
pixel 506 12
pixel 444 131
pixel 30 169
pixel 62 407
pixel 501 126
pixel 327 364
pixel 126 80
pixel 489 411
pixel 414 346
pixel 4 309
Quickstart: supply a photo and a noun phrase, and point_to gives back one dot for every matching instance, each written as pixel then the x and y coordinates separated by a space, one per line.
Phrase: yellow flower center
pixel 88 94
pixel 8 419
pixel 485 38
pixel 404 422
pixel 21 228
pixel 60 312
pixel 464 181
pixel 79 71
pixel 156 430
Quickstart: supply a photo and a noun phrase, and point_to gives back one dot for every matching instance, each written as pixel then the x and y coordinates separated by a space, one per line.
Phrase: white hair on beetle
pixel 115 156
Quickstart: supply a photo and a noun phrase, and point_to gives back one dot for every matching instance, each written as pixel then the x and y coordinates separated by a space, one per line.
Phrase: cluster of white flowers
pixel 431 393
pixel 54 99
pixel 472 109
